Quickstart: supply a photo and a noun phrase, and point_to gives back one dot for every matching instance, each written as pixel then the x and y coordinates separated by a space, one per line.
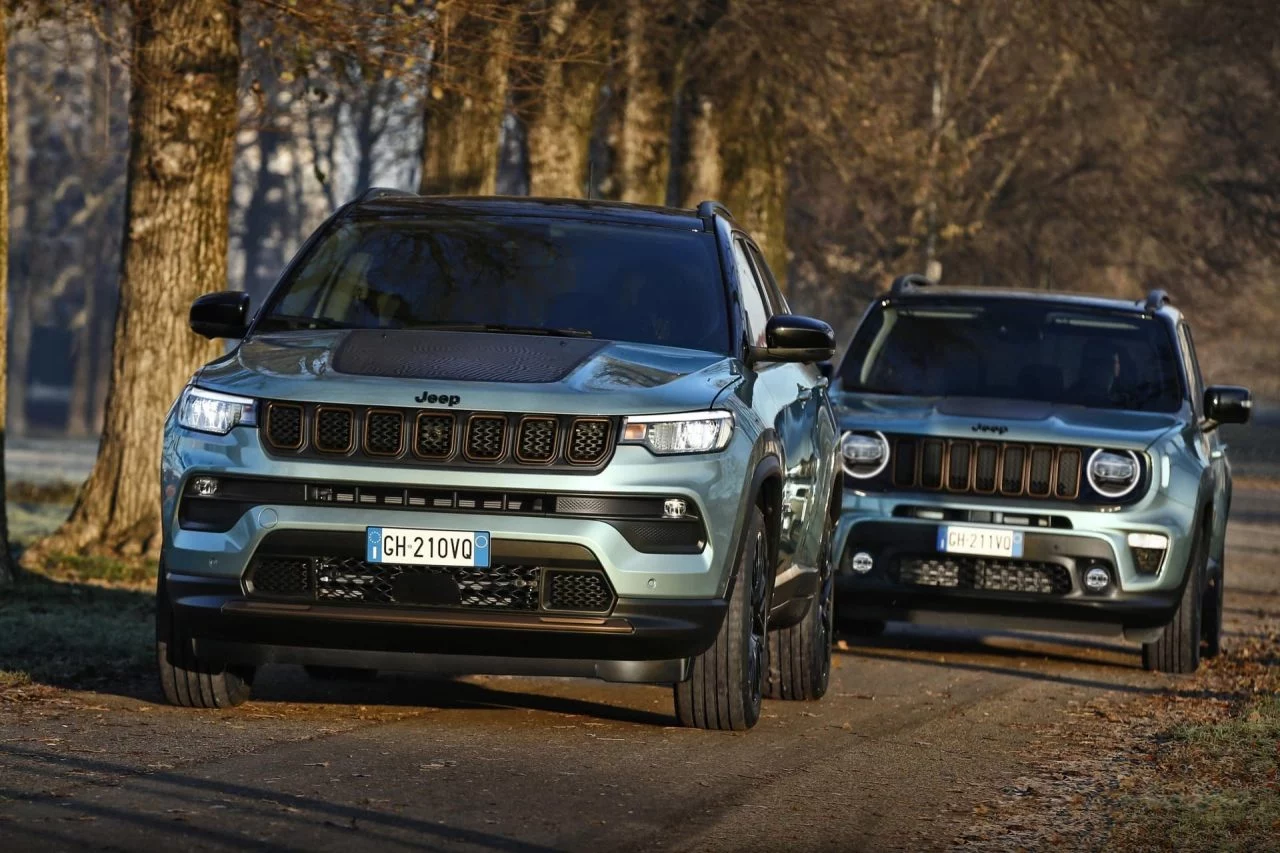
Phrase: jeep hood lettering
pixel 1024 420
pixel 488 371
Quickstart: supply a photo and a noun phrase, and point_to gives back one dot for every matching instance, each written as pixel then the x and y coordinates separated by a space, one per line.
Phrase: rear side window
pixel 753 299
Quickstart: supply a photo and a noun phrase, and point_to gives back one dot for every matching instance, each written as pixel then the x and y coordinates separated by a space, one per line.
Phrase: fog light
pixel 1148 550
pixel 1097 579
pixel 862 563
pixel 674 508
pixel 205 487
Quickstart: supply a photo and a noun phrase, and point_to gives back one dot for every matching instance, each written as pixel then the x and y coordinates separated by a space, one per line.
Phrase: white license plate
pixel 408 546
pixel 980 541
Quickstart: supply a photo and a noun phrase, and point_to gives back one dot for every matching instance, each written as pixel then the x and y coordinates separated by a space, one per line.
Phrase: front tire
pixel 1177 650
pixel 185 680
pixel 1213 600
pixel 800 656
pixel 726 685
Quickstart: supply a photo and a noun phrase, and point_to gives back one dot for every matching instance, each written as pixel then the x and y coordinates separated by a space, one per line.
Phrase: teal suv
pixel 511 436
pixel 1037 461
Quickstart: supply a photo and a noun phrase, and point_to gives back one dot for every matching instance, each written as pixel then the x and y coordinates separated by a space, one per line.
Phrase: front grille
pixel 588 441
pixel 980 573
pixel 282 575
pixel 537 440
pixel 383 432
pixel 962 466
pixel 284 425
pixel 579 591
pixel 486 438
pixel 335 431
pixel 433 436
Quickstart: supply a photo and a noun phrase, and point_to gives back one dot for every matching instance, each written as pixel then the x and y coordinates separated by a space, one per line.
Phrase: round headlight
pixel 1114 473
pixel 863 454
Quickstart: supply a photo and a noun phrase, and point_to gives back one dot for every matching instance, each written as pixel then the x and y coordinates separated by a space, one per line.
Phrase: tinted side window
pixel 771 284
pixel 1195 384
pixel 753 302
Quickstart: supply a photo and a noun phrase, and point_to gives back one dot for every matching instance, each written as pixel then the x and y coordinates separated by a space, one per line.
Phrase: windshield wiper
pixel 504 328
pixel 298 321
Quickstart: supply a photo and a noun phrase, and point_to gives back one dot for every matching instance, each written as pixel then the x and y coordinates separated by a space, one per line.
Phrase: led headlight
pixel 864 454
pixel 209 411
pixel 1114 473
pixel 688 432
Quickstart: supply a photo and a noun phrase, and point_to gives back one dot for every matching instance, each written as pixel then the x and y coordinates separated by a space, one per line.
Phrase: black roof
pixel 397 203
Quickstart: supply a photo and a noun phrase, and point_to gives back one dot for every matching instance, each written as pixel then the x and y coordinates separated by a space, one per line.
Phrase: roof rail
pixel 911 281
pixel 1156 300
pixel 708 209
pixel 379 193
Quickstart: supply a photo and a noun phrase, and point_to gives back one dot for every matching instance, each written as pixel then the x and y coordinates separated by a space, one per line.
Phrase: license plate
pixel 980 541
pixel 408 546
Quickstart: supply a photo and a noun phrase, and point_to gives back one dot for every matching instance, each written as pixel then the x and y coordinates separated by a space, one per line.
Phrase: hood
pixel 484 371
pixel 1005 420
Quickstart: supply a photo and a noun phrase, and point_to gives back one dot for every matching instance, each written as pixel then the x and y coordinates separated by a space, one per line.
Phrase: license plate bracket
pixel 981 541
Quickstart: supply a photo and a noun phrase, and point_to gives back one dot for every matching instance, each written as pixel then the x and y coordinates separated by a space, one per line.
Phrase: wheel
pixel 800 656
pixel 1178 648
pixel 189 682
pixel 340 673
pixel 1212 616
pixel 726 684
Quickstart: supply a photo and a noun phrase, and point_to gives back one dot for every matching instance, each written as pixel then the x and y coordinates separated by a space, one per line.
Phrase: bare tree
pixel 6 559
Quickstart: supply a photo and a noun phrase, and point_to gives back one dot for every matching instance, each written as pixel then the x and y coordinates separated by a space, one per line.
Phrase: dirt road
pixel 919 728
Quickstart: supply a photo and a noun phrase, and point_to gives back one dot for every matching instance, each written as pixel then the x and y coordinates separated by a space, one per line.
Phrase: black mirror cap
pixel 1228 404
pixel 790 337
pixel 220 315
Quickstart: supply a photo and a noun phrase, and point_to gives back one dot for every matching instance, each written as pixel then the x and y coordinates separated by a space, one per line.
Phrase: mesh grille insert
pixel 383 433
pixel 588 441
pixel 1015 458
pixel 583 592
pixel 284 425
pixel 334 430
pixel 984 473
pixel 1068 479
pixel 500 586
pixel 931 464
pixel 977 573
pixel 958 466
pixel 434 436
pixel 281 575
pixel 1041 471
pixel 486 438
pixel 537 440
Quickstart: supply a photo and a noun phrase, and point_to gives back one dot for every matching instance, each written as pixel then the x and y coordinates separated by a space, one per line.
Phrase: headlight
pixel 864 454
pixel 209 411
pixel 688 432
pixel 1114 473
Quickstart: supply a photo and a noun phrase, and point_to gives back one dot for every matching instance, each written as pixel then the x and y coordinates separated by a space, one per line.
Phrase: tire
pixel 340 673
pixel 1212 616
pixel 1178 648
pixel 726 684
pixel 800 656
pixel 185 680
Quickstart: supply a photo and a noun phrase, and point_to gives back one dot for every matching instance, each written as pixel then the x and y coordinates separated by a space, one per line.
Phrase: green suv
pixel 1034 460
pixel 511 436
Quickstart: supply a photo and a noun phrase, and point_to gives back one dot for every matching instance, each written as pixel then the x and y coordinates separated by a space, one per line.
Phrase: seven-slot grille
pixel 444 437
pixel 987 468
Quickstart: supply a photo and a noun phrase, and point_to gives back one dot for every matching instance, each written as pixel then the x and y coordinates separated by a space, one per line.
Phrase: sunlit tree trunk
pixel 6 561
pixel 186 58
pixel 462 123
pixel 644 154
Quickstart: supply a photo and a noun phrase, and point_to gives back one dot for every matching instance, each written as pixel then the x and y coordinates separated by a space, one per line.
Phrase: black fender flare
pixel 767 465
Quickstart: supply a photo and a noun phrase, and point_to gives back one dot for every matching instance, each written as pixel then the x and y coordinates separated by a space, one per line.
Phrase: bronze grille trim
pixel 369 415
pixel 555 439
pixel 466 437
pixel 453 435
pixel 351 430
pixel 272 408
pixel 952 465
pixel 605 448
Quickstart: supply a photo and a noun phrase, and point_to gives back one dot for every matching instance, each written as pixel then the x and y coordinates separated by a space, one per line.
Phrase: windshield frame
pixel 962 301
pixel 343 216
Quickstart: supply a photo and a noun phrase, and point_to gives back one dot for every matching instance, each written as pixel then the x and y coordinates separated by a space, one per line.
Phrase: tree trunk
pixel 6 559
pixel 186 59
pixel 644 156
pixel 563 118
pixel 462 123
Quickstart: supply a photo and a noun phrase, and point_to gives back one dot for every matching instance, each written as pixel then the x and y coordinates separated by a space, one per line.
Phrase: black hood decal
pixel 461 356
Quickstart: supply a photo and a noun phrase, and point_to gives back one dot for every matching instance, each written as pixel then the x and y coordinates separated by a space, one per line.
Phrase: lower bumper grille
pixel 979 573
pixel 334 579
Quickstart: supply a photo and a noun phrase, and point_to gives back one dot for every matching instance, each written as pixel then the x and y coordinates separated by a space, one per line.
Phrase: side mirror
pixel 220 315
pixel 1228 404
pixel 790 337
pixel 827 369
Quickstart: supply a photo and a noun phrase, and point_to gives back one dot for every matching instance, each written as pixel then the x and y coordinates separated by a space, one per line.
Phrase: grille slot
pixel 1011 476
pixel 987 468
pixel 486 438
pixel 433 436
pixel 284 425
pixel 1038 480
pixel 989 575
pixel 282 575
pixel 577 591
pixel 958 466
pixel 1067 481
pixel 984 469
pixel 904 463
pixel 536 441
pixel 383 432
pixel 335 430
pixel 588 441
pixel 931 463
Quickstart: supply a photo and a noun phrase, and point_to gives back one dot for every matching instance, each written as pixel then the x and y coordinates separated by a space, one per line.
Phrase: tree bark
pixel 462 123
pixel 645 139
pixel 563 118
pixel 6 559
pixel 186 59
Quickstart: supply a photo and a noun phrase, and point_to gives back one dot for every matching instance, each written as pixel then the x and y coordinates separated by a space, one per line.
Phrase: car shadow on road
pixel 173 792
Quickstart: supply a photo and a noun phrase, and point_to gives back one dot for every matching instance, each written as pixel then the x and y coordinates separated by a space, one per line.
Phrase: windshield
pixel 626 283
pixel 1016 350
